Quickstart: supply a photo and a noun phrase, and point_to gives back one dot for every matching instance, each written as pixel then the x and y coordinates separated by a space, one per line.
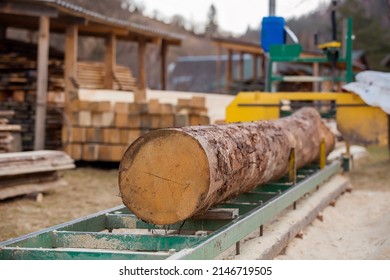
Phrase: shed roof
pixel 63 14
pixel 239 45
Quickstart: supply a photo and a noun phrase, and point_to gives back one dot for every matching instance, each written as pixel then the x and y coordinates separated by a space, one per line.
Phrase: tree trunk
pixel 169 175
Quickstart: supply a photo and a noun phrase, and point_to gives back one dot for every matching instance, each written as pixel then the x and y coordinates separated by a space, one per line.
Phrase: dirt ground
pixel 90 190
pixel 357 228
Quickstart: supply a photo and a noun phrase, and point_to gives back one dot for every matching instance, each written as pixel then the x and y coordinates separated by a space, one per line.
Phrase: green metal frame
pixel 346 59
pixel 95 237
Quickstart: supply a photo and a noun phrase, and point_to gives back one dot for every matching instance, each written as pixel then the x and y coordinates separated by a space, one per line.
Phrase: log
pixel 170 175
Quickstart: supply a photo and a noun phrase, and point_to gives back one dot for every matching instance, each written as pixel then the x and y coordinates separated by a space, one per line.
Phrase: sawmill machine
pixel 358 122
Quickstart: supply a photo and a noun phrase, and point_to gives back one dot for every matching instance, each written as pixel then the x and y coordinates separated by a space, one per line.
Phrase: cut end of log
pixel 164 176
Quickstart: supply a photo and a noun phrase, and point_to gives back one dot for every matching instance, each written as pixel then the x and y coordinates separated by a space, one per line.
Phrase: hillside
pixel 371 28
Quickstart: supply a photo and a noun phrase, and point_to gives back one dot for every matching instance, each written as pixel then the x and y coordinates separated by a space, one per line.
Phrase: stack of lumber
pixel 8 133
pixel 18 71
pixel 32 172
pixel 102 131
pixel 90 75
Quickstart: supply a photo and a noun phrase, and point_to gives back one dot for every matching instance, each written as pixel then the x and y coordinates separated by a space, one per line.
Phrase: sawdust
pixel 358 227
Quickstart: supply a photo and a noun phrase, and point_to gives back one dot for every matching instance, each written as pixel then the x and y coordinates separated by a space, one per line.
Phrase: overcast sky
pixel 232 15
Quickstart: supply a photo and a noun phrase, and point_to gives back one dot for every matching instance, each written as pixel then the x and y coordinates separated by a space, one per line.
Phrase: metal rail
pixel 118 234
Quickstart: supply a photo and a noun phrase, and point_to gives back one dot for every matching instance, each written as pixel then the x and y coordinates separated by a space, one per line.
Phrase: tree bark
pixel 169 175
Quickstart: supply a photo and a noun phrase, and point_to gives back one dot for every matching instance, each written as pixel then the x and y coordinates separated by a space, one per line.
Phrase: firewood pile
pixel 9 134
pixel 18 70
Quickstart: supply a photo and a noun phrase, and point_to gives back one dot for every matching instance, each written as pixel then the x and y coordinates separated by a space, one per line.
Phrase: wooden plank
pixel 134 121
pixel 94 135
pixel 154 106
pixel 218 214
pixel 85 118
pixel 114 137
pixel 138 108
pixel 103 119
pixel 121 120
pixel 167 121
pixel 166 109
pixel 111 152
pixel 43 58
pixel 18 96
pixel 90 152
pixel 241 47
pixel 12 164
pixel 182 120
pixel 121 107
pixel 123 136
pixel 198 102
pixel 78 134
pixel 110 61
pixel 24 189
pixel 76 151
pixel 150 121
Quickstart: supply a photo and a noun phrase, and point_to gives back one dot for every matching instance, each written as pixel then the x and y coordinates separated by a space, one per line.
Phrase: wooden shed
pixel 57 16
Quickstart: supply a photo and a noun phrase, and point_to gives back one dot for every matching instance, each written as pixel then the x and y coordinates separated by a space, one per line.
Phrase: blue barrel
pixel 272 32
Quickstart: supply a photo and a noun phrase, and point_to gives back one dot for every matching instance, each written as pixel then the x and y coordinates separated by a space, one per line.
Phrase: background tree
pixel 212 24
pixel 370 35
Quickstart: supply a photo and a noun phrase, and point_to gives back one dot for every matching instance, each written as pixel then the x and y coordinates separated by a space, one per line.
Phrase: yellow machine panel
pixel 358 122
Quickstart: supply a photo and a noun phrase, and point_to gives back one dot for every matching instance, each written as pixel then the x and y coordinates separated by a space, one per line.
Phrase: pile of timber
pixel 90 75
pixel 18 70
pixel 9 134
pixel 170 175
pixel 32 172
pixel 102 131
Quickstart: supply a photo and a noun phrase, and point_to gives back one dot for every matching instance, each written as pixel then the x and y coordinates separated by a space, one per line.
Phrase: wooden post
pixel 43 60
pixel 163 59
pixel 110 61
pixel 218 68
pixel 141 95
pixel 316 73
pixel 263 66
pixel 255 66
pixel 70 63
pixel 241 67
pixel 229 70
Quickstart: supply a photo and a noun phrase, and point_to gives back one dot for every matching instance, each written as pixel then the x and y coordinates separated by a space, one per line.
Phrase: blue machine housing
pixel 272 32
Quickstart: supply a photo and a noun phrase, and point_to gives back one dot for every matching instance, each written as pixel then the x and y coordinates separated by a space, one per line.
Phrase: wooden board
pixel 30 188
